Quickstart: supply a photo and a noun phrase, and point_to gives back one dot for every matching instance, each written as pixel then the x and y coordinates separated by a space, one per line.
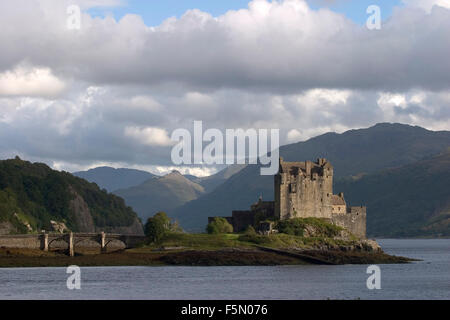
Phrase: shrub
pixel 293 227
pixel 250 231
pixel 296 227
pixel 218 226
pixel 157 227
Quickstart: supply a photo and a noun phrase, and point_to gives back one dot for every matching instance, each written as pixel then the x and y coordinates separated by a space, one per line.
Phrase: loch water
pixel 426 279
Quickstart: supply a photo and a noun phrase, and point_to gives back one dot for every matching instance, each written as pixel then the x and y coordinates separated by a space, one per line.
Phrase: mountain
pixel 237 193
pixel 161 194
pixel 409 201
pixel 212 182
pixel 354 152
pixel 32 195
pixel 369 150
pixel 148 193
pixel 114 179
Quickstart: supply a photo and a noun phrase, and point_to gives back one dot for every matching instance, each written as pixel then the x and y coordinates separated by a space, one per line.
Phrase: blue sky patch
pixel 156 11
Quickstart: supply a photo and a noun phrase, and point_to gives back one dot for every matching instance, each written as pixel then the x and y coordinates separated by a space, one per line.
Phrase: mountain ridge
pixel 412 200
pixel 160 194
pixel 113 179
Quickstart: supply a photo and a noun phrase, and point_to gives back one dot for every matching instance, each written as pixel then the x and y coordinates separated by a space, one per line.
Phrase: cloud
pixel 271 46
pixel 294 136
pixel 144 103
pixel 197 171
pixel 112 92
pixel 30 81
pixel 427 4
pixel 149 136
pixel 93 128
pixel 98 3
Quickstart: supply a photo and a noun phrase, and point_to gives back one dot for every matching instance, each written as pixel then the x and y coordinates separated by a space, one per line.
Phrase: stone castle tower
pixel 303 190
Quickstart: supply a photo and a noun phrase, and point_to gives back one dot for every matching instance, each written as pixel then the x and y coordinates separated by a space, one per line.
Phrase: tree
pixel 250 231
pixel 157 226
pixel 218 226
pixel 175 227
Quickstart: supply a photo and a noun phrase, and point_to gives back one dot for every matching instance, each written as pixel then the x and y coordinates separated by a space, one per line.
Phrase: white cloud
pixel 198 100
pixel 389 100
pixel 157 170
pixel 294 136
pixel 149 136
pixel 98 3
pixel 427 4
pixel 271 46
pixel 144 102
pixel 195 171
pixel 30 81
pixel 320 97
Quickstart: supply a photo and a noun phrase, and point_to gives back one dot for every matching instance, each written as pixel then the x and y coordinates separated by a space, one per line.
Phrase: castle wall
pixel 242 219
pixel 280 195
pixel 339 209
pixel 312 199
pixel 354 220
pixel 304 193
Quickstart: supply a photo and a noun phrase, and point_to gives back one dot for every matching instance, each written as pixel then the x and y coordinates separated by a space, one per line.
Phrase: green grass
pixel 282 240
pixel 221 241
pixel 297 227
pixel 293 237
pixel 199 241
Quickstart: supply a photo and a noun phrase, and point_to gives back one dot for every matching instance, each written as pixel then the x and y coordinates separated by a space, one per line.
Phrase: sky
pixel 112 91
pixel 154 12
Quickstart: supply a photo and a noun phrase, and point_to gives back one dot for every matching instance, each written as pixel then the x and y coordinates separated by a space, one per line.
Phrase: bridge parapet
pixel 46 240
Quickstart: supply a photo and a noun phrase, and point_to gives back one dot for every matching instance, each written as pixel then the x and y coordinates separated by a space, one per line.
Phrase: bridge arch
pixel 116 241
pixel 104 240
pixel 62 239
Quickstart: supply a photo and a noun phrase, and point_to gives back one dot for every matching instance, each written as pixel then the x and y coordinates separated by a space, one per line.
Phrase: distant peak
pixel 173 174
pixel 103 168
pixel 382 125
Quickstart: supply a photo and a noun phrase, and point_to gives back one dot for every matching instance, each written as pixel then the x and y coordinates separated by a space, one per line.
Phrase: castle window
pixel 293 188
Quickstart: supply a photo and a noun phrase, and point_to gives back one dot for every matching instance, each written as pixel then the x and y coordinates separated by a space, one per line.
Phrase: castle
pixel 303 190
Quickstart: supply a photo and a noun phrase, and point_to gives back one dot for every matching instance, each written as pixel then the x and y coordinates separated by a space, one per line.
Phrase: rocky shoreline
pixel 13 258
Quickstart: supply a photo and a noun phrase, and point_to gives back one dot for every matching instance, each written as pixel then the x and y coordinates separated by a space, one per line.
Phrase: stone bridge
pixel 46 241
